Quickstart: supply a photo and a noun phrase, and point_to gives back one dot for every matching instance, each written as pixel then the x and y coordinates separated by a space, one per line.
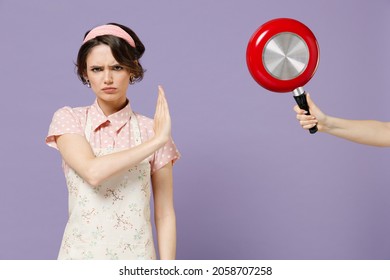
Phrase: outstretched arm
pixel 367 132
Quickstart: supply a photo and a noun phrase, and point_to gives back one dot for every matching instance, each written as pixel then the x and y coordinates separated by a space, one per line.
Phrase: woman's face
pixel 109 80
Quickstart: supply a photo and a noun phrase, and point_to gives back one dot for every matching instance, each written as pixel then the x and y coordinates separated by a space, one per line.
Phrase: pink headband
pixel 109 29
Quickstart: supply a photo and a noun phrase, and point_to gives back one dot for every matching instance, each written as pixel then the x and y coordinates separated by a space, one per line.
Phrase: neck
pixel 110 108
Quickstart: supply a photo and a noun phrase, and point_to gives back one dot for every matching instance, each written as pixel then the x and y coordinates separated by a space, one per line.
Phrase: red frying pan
pixel 282 56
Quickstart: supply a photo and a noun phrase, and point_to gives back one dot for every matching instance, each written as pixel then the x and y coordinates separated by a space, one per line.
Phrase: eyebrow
pixel 100 66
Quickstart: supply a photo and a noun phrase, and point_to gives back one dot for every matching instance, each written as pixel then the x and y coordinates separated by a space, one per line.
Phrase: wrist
pixel 326 124
pixel 159 141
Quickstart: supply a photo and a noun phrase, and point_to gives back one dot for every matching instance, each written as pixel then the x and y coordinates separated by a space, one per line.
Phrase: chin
pixel 111 97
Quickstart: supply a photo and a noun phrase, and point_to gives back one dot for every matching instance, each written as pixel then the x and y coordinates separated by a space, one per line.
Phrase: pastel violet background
pixel 251 184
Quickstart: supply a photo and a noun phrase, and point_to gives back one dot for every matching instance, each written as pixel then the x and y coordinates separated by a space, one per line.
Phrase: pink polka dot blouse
pixel 109 131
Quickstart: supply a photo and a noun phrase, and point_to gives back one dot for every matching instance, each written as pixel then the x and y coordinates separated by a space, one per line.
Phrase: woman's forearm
pixel 103 167
pixel 77 153
pixel 166 236
pixel 164 211
pixel 368 132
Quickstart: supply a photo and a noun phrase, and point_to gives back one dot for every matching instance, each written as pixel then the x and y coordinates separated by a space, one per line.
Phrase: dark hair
pixel 123 53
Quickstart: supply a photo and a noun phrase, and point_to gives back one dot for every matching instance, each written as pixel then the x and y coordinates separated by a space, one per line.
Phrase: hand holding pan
pixel 282 56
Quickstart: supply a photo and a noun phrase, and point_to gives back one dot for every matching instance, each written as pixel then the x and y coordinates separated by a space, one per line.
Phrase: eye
pixel 96 69
pixel 117 67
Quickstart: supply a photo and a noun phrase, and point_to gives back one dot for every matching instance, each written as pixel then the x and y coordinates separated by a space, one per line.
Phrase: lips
pixel 109 89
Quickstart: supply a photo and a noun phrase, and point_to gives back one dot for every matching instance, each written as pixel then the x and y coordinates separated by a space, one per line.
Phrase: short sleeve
pixel 64 121
pixel 168 153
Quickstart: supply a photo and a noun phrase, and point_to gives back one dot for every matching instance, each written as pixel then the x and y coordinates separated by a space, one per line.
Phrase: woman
pixel 368 132
pixel 111 157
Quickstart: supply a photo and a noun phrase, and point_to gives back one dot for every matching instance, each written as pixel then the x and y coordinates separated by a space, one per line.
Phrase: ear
pixel 132 79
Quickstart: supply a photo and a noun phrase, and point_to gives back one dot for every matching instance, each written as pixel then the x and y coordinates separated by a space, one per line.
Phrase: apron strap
pixel 135 129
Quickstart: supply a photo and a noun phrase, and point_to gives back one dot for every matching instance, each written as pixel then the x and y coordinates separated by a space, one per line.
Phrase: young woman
pixel 367 132
pixel 113 157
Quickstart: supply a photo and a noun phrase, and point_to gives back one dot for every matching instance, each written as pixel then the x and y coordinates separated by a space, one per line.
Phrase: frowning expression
pixel 108 78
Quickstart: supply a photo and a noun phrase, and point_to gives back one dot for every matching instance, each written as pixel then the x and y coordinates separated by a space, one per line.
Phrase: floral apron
pixel 112 220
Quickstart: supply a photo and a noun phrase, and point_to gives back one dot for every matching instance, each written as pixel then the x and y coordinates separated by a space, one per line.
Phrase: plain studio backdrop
pixel 251 183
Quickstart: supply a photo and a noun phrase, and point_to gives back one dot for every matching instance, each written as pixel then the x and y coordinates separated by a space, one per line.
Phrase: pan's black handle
pixel 300 98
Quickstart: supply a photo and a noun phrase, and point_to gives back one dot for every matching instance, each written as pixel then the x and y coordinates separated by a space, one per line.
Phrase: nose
pixel 108 77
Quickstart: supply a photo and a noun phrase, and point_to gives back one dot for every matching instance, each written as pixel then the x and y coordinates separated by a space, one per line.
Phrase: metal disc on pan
pixel 285 56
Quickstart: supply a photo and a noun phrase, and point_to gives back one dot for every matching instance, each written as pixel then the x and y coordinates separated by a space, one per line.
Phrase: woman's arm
pixel 78 154
pixel 164 212
pixel 367 132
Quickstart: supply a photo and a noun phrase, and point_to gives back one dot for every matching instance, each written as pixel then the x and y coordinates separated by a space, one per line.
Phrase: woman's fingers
pixel 164 103
pixel 159 106
pixel 298 110
pixel 162 120
pixel 306 121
